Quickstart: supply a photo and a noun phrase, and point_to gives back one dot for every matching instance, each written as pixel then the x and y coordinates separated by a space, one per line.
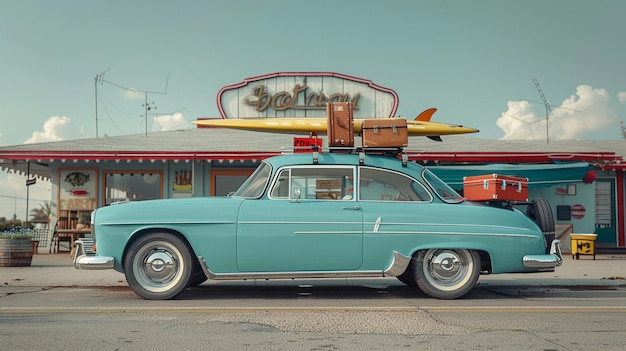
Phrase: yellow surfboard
pixel 421 126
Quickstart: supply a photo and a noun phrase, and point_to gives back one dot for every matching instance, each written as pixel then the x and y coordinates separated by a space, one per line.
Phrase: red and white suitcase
pixel 339 117
pixel 384 132
pixel 495 187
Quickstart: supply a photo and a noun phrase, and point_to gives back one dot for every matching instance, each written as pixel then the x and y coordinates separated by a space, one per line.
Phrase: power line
pixel 21 198
pixel 109 114
pixel 147 107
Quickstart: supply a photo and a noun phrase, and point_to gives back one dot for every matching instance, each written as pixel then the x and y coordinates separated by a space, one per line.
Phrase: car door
pixel 396 210
pixel 308 221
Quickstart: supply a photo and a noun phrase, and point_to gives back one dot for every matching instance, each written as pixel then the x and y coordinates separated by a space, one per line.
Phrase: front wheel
pixel 158 266
pixel 447 273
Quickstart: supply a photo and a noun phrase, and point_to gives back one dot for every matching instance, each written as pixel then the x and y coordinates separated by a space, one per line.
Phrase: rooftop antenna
pixel 147 106
pixel 548 109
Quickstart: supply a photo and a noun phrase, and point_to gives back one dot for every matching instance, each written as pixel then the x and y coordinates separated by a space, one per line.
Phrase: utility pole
pixel 147 107
pixel 99 79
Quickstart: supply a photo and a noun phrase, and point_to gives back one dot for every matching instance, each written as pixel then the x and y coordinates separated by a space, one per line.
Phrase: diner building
pixel 582 180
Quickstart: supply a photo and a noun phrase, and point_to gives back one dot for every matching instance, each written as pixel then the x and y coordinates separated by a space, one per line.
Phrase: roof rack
pixel 394 152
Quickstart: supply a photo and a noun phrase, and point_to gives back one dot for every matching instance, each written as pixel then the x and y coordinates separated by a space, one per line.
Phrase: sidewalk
pixel 58 270
pixel 53 270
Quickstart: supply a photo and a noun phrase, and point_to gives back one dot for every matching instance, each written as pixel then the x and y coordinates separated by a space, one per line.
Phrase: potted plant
pixel 16 249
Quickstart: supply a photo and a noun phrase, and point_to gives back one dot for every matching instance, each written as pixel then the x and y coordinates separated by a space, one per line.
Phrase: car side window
pixel 281 187
pixel 314 183
pixel 383 185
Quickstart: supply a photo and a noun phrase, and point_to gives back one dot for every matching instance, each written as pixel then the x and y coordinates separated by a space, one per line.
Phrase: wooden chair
pixel 57 238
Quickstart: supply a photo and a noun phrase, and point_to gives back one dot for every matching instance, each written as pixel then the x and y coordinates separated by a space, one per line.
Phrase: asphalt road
pixel 378 314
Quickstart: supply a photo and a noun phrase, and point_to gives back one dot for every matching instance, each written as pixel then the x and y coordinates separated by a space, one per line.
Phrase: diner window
pixel 226 181
pixel 132 186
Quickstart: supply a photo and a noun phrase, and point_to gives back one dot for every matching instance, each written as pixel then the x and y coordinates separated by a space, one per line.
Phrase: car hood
pixel 189 210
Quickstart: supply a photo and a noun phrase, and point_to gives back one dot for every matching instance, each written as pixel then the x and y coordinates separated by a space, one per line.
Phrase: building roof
pixel 219 143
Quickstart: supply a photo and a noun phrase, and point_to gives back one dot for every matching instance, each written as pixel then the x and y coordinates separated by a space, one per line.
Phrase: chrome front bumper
pixel 85 258
pixel 548 261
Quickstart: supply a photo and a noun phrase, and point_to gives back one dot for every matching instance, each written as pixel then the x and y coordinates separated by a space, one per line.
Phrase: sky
pixel 85 69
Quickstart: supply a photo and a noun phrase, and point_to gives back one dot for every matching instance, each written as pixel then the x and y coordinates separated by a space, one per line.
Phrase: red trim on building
pixel 514 157
pixel 131 155
pixel 608 158
pixel 621 235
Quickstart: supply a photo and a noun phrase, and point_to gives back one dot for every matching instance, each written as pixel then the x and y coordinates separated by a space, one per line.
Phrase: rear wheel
pixel 447 273
pixel 158 266
pixel 541 213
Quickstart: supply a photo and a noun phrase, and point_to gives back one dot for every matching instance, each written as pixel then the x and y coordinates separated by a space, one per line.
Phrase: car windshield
pixel 253 187
pixel 443 190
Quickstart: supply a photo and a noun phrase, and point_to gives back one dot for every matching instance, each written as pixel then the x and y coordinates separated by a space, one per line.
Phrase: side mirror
pixel 296 194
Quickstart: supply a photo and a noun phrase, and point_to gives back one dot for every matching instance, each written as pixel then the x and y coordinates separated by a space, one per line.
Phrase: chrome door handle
pixel 356 208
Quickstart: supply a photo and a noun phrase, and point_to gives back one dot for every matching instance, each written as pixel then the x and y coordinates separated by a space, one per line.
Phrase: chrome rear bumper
pixel 548 261
pixel 85 258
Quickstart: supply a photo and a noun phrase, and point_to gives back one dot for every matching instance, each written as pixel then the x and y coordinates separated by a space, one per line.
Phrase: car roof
pixel 333 158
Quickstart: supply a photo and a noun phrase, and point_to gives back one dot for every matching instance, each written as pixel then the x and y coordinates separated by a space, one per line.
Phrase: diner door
pixel 605 211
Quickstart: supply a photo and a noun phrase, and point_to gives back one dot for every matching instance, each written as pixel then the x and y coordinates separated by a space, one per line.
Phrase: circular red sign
pixel 578 211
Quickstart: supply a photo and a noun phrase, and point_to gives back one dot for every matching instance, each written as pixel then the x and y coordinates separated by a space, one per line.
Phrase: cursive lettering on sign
pixel 284 100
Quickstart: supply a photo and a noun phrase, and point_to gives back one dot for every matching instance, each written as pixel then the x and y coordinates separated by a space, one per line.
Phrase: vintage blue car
pixel 318 215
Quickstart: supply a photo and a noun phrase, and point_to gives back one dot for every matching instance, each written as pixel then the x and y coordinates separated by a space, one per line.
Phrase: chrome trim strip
pixel 453 233
pixel 336 232
pixel 160 223
pixel 298 222
pixel 377 224
pixel 396 268
pixel 454 225
pixel 399 265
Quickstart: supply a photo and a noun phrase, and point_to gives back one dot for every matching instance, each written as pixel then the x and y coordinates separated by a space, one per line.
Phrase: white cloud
pixel 128 94
pixel 53 128
pixel 585 112
pixel 169 122
pixel 622 96
pixel 519 122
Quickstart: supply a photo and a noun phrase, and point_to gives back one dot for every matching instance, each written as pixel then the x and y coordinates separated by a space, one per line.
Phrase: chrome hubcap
pixel 446 265
pixel 447 269
pixel 159 267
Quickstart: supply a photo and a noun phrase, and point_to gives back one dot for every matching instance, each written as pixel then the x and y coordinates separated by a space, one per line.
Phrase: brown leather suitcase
pixel 339 117
pixel 384 132
pixel 495 187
